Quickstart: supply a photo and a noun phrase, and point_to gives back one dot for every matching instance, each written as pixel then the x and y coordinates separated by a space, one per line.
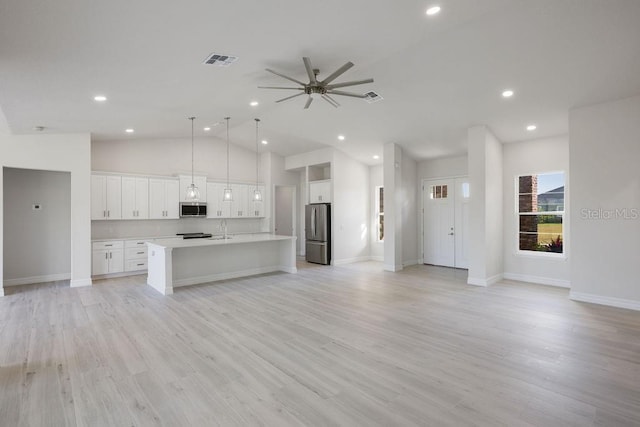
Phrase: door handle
pixel 450 234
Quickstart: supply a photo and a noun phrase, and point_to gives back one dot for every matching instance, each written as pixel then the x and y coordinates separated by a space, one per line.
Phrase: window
pixel 439 191
pixel 380 214
pixel 541 212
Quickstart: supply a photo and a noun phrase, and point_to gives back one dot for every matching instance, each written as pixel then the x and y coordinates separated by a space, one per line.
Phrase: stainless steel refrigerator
pixel 318 233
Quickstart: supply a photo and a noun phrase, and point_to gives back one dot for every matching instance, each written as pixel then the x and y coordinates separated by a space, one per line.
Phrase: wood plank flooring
pixel 330 346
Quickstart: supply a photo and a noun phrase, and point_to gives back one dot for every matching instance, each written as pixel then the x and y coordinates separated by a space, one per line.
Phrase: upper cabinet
pixel 199 181
pixel 135 198
pixel 164 198
pixel 106 201
pixel 320 191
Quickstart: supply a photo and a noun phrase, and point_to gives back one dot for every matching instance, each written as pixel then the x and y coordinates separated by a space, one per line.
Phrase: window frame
pixel 379 214
pixel 562 214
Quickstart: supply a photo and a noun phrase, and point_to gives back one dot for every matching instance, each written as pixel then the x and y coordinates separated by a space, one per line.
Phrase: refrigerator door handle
pixel 313 222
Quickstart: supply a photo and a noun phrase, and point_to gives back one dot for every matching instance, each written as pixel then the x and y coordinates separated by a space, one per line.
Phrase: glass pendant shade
pixel 227 196
pixel 193 194
pixel 257 195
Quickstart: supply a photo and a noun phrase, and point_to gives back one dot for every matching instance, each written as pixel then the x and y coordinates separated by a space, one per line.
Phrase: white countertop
pixel 217 240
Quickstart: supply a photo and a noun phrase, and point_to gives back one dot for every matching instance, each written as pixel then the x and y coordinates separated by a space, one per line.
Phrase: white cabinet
pixel 320 191
pixel 108 257
pixel 199 181
pixel 216 208
pixel 163 198
pixel 135 198
pixel 106 200
pixel 240 204
pixel 135 255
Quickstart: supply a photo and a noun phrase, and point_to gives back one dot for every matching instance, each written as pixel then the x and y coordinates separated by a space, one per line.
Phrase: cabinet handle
pixel 104 214
pixel 110 255
pixel 108 213
pixel 141 264
pixel 106 255
pixel 110 244
pixel 139 253
pixel 139 243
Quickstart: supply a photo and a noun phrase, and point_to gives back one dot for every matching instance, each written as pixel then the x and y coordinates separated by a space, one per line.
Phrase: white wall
pixel 443 168
pixel 392 207
pixel 351 207
pixel 604 153
pixel 66 153
pixel 376 179
pixel 527 158
pixel 485 207
pixel 39 240
pixel 173 156
pixel 410 196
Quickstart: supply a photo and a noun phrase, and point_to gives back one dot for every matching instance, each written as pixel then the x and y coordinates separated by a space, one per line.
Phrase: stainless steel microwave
pixel 190 210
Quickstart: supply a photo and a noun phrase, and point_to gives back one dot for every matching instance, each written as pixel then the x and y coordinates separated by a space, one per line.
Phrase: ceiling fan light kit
pixel 319 88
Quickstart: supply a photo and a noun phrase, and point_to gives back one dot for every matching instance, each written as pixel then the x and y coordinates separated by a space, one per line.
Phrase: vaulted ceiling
pixel 438 74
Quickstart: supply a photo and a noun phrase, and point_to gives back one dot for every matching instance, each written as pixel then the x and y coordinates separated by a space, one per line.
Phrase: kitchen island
pixel 175 262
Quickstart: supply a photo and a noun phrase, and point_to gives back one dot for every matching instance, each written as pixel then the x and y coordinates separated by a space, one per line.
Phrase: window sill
pixel 543 255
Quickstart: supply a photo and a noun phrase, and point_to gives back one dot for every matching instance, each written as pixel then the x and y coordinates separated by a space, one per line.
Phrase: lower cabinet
pixel 108 257
pixel 135 255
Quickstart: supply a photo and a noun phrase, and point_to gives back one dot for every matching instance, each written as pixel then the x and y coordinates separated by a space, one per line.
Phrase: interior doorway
pixel 285 210
pixel 445 217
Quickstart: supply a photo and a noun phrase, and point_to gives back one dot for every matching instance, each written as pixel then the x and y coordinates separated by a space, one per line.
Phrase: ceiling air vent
pixel 372 97
pixel 220 60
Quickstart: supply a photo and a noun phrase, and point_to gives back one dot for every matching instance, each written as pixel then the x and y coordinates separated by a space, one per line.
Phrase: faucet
pixel 223 226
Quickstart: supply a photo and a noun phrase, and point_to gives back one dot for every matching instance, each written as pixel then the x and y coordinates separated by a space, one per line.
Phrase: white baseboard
pixel 549 281
pixel 78 283
pixel 350 260
pixel 377 258
pixel 37 279
pixel 410 262
pixel 231 275
pixel 610 301
pixel 475 281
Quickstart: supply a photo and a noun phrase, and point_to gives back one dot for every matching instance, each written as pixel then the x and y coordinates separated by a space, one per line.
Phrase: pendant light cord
pixel 192 177
pixel 227 119
pixel 257 149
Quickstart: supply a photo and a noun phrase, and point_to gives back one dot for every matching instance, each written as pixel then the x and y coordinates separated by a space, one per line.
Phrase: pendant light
pixel 257 194
pixel 228 194
pixel 193 194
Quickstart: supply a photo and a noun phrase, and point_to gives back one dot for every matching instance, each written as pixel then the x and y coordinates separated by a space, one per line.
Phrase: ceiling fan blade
pixel 284 77
pixel 309 68
pixel 289 97
pixel 354 95
pixel 330 100
pixel 280 87
pixel 353 83
pixel 337 73
pixel 309 101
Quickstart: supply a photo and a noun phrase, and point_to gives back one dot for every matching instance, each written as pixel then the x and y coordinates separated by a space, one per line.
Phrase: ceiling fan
pixel 317 88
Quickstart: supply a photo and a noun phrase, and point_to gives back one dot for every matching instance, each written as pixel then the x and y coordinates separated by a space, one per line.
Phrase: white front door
pixel 445 222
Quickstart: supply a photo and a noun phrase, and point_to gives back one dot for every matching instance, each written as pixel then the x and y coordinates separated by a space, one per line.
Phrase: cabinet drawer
pixel 108 244
pixel 135 253
pixel 135 265
pixel 136 243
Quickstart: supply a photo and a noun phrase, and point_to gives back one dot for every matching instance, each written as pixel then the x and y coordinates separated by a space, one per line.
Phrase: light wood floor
pixel 350 346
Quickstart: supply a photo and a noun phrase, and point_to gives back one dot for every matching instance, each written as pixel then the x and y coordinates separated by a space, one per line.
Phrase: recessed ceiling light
pixel 129 130
pixel 207 129
pixel 376 157
pixel 532 128
pixel 433 10
pixel 254 103
pixel 341 137
pixel 507 93
pixel 265 142
pixel 100 98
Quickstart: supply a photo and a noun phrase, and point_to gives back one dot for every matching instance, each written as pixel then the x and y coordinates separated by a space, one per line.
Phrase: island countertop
pixel 181 262
pixel 218 240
